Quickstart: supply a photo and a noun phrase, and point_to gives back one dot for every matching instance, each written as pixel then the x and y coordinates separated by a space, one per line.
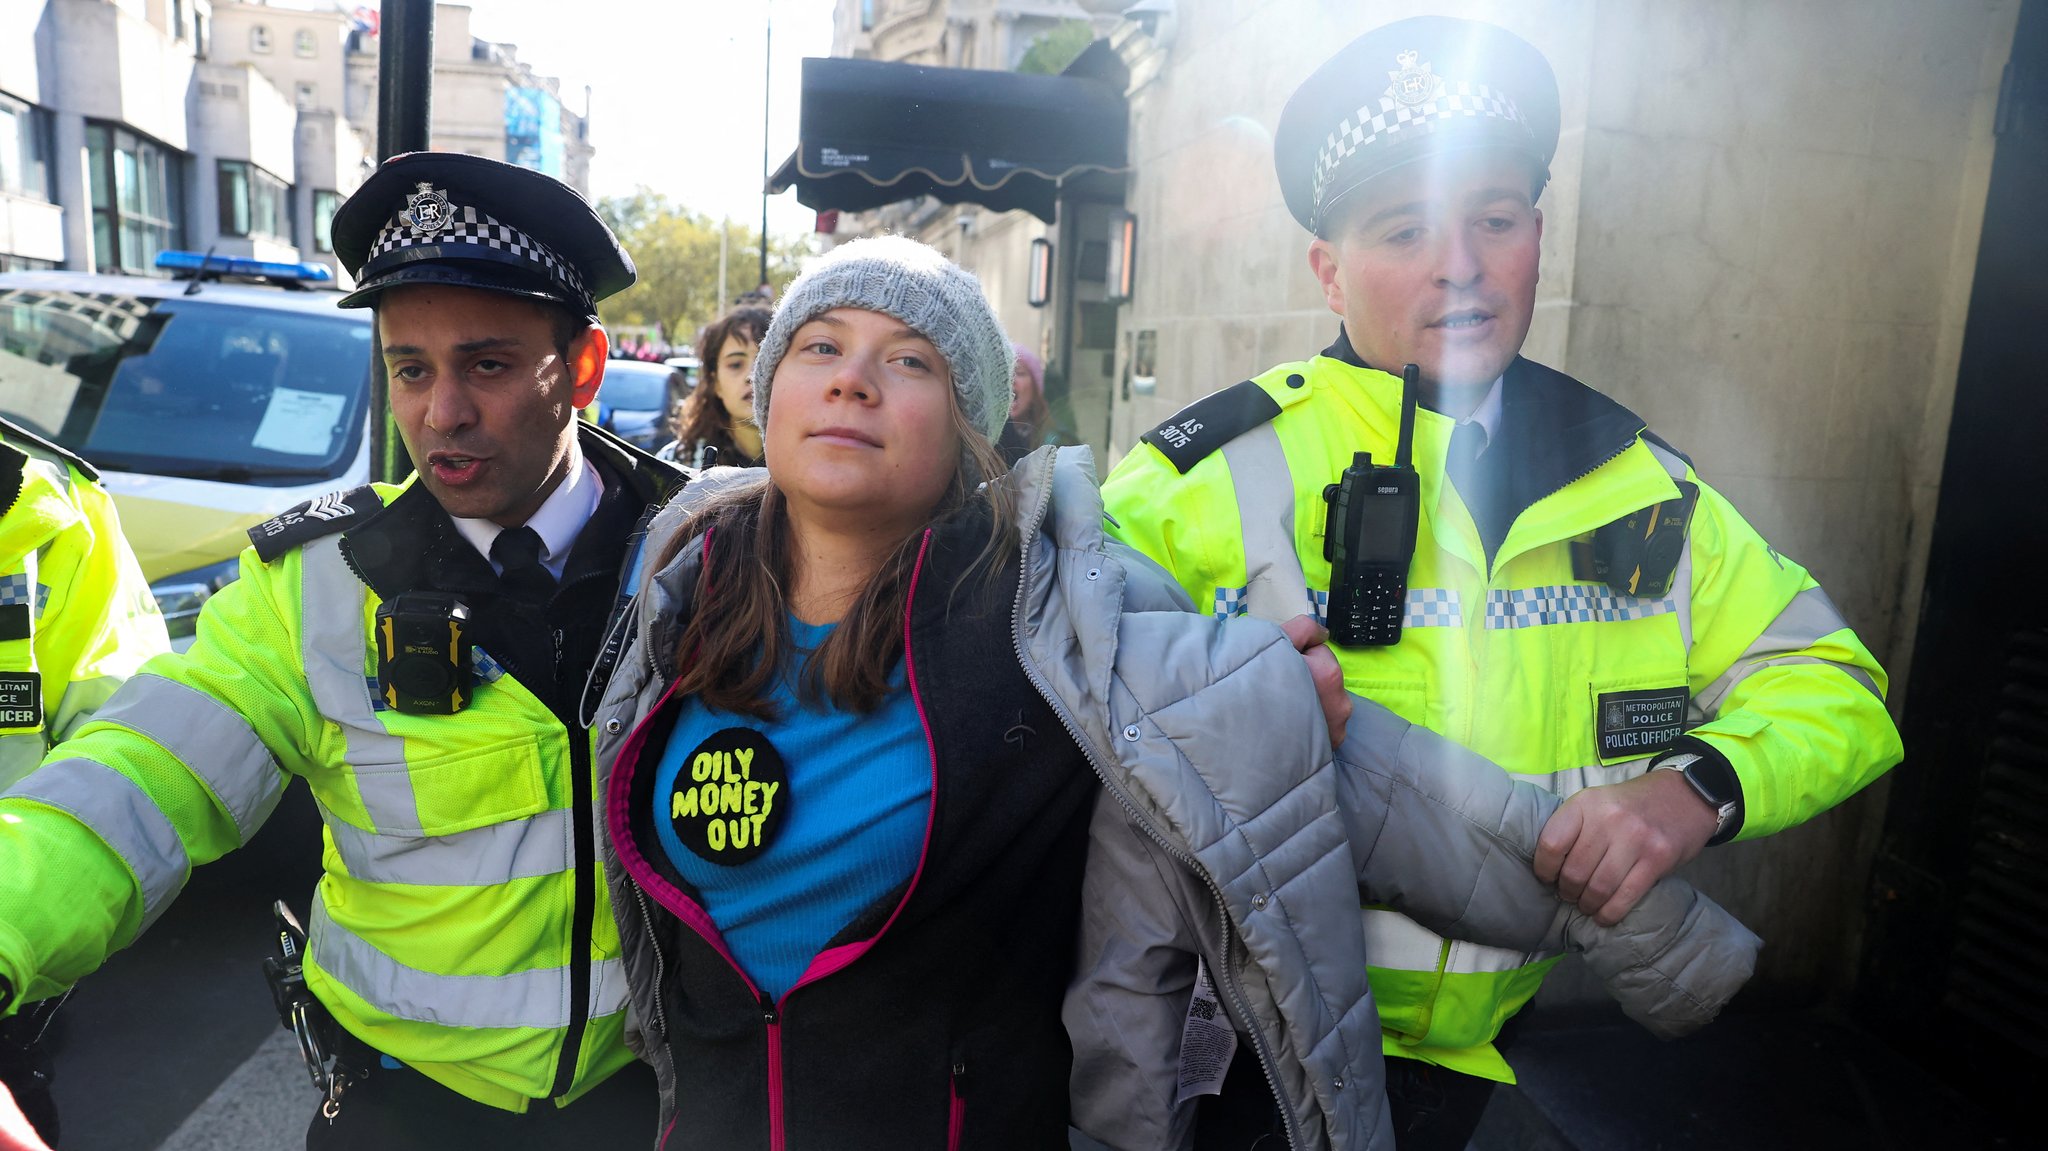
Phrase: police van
pixel 209 402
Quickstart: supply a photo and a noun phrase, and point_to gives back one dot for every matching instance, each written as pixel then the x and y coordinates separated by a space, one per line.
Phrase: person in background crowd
pixel 716 423
pixel 1573 600
pixel 76 621
pixel 873 701
pixel 1030 420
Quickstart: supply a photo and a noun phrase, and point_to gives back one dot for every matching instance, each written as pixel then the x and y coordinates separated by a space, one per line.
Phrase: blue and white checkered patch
pixel 1433 607
pixel 487 670
pixel 1568 603
pixel 1230 601
pixel 14 589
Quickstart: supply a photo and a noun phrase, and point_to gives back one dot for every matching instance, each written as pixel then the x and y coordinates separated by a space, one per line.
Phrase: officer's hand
pixel 1311 640
pixel 15 1132
pixel 1606 847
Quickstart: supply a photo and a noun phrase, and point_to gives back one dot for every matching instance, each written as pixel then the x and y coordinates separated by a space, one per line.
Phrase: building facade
pixel 990 34
pixel 128 127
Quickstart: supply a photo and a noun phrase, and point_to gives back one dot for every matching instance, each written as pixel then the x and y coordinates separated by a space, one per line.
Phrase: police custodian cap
pixel 450 218
pixel 1414 88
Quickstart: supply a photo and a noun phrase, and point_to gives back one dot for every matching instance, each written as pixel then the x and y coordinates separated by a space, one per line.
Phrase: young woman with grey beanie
pixel 879 701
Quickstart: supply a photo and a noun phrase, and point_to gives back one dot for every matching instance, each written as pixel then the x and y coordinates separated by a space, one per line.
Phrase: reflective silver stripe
pixel 1564 784
pixel 121 813
pixel 1396 942
pixel 212 740
pixel 19 755
pixel 538 998
pixel 1265 514
pixel 1681 580
pixel 1808 619
pixel 481 857
pixel 331 619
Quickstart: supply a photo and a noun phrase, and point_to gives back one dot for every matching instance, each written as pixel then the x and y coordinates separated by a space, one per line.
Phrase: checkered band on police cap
pixel 1415 88
pixel 1380 120
pixel 406 237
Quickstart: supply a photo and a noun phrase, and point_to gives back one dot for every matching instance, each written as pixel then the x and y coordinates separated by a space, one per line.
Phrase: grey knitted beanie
pixel 936 298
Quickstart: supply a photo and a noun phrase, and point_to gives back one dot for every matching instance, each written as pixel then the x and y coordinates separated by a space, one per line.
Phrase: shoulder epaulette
pixel 322 515
pixel 18 434
pixel 1192 433
pixel 1661 442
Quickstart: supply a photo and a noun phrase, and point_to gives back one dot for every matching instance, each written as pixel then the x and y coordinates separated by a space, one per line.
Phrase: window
pixel 137 198
pixel 253 202
pixel 867 14
pixel 303 43
pixel 177 19
pixel 324 205
pixel 259 38
pixel 25 150
pixel 306 94
pixel 196 387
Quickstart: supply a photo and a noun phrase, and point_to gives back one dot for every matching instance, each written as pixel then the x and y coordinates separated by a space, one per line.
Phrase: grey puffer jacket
pixel 1229 831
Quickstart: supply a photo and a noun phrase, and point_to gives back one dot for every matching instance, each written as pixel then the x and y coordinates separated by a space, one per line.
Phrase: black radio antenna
pixel 1409 377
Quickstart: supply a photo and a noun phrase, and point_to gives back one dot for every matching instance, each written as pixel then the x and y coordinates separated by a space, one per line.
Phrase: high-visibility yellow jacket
pixel 460 925
pixel 1524 659
pixel 76 616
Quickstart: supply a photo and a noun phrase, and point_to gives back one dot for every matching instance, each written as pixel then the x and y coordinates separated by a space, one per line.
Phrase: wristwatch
pixel 1717 788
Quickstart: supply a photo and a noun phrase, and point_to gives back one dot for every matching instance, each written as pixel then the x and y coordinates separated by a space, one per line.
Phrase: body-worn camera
pixel 1369 539
pixel 423 662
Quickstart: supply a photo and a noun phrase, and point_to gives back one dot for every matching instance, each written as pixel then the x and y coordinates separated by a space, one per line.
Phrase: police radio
pixel 1369 538
pixel 423 662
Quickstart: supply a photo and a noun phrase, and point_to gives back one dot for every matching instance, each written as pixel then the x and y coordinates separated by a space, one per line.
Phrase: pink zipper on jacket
pixel 618 820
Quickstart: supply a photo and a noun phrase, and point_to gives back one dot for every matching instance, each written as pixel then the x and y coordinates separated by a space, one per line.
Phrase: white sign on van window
pixel 299 423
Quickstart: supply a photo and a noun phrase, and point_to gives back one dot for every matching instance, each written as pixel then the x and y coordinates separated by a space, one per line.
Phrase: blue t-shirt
pixel 837 824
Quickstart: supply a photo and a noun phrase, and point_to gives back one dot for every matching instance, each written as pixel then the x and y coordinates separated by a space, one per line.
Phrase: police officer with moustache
pixel 418 653
pixel 1576 604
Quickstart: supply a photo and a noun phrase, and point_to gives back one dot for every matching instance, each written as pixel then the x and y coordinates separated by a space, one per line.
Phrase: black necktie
pixel 516 551
pixel 1479 483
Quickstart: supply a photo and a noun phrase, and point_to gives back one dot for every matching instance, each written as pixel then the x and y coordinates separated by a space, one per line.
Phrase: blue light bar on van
pixel 196 262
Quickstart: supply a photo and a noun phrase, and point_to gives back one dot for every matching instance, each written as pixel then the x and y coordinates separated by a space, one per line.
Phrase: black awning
pixel 874 133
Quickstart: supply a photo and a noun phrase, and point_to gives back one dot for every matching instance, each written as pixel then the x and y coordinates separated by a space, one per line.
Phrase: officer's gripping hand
pixel 15 1132
pixel 1606 847
pixel 1311 640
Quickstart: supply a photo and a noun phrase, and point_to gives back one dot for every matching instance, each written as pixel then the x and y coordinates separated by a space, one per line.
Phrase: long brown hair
pixel 731 651
pixel 703 418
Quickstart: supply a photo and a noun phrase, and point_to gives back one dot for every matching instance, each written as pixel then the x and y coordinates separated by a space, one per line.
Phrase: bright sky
pixel 676 89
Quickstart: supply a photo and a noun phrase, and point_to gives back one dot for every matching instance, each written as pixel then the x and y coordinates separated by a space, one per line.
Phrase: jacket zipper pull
pixel 768 1013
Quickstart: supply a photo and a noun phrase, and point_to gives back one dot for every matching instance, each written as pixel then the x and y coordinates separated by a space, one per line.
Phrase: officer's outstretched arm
pixel 171 773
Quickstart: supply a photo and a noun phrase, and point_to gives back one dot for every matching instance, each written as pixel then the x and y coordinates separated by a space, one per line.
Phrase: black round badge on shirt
pixel 731 797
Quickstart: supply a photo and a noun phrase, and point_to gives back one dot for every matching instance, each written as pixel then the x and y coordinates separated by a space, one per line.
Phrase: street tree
pixel 676 251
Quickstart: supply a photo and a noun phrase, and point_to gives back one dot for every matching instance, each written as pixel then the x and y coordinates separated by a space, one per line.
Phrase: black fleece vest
pixel 955 1009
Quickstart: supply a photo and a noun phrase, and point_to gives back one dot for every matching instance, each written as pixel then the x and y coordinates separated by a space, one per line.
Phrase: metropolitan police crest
pixel 427 211
pixel 1413 85
pixel 1616 717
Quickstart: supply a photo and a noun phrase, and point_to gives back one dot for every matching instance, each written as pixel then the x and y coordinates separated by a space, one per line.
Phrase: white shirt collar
pixel 1487 414
pixel 558 522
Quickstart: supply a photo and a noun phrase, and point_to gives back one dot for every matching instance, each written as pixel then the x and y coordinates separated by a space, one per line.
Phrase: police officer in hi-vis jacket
pixel 1577 603
pixel 417 653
